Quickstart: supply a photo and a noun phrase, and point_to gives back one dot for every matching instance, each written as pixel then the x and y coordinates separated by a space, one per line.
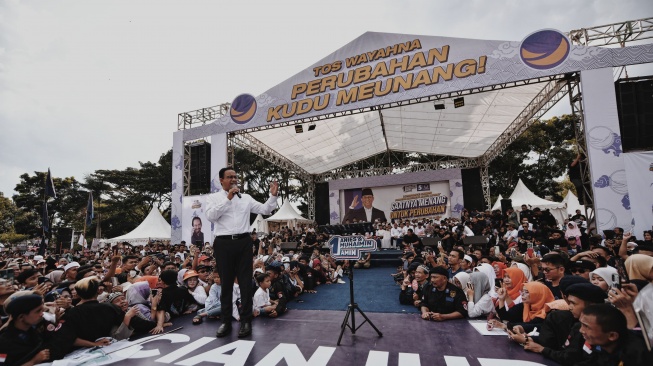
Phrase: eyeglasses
pixel 230 177
pixel 579 270
pixel 547 270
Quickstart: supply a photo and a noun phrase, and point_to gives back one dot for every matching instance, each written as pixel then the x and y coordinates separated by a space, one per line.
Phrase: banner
pixel 407 201
pixel 195 227
pixel 639 170
pixel 606 158
pixel 383 68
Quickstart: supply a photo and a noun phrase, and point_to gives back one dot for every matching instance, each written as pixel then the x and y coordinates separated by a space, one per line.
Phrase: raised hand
pixel 274 188
pixel 354 202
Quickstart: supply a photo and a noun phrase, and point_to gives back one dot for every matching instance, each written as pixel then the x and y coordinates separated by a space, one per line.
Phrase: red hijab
pixel 517 279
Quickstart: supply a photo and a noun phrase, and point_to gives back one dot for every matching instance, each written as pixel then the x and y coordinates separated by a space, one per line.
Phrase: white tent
pixel 521 195
pixel 154 227
pixel 497 204
pixel 288 215
pixel 259 224
pixel 573 204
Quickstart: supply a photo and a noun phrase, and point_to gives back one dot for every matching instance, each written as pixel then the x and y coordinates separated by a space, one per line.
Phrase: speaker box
pixel 473 189
pixel 200 169
pixel 322 211
pixel 506 203
pixel 635 108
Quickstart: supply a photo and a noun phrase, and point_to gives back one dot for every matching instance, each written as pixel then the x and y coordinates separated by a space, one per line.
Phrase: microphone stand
pixel 350 311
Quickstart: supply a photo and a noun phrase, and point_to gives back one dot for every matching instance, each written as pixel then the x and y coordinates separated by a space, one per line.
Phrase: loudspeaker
pixel 322 211
pixel 635 108
pixel 200 168
pixel 506 203
pixel 473 189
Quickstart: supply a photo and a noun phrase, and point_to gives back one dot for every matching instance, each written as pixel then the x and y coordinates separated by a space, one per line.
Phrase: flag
pixel 89 209
pixel 43 246
pixel 49 186
pixel 82 240
pixel 45 220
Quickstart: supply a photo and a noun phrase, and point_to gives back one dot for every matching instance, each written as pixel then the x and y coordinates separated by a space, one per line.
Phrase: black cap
pixel 440 270
pixel 583 263
pixel 587 292
pixel 567 281
pixel 367 192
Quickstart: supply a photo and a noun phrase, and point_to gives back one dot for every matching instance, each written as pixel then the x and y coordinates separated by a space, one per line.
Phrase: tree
pixel 538 157
pixel 123 198
pixel 8 212
pixel 62 211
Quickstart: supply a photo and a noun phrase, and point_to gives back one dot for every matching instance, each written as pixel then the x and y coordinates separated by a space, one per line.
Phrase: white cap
pixel 38 258
pixel 71 265
pixel 468 258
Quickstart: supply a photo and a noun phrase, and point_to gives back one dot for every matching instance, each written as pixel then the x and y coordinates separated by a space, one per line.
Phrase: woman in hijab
pixel 513 283
pixel 640 267
pixel 488 270
pixel 531 311
pixel 138 295
pixel 573 231
pixel 524 268
pixel 479 302
pixel 461 279
pixel 602 277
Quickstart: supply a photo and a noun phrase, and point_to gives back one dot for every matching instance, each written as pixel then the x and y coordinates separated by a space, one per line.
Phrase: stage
pixel 309 337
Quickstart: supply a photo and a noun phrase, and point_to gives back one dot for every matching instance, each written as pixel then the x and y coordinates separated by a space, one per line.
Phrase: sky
pixel 88 85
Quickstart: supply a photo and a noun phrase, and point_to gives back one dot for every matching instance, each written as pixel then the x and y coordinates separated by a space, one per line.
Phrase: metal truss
pixel 485 185
pixel 249 142
pixel 616 33
pixel 436 165
pixel 576 102
pixel 187 170
pixel 191 119
pixel 551 94
pixel 432 98
pixel 254 145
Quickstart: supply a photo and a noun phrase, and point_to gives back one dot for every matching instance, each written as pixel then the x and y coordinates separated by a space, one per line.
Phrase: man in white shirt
pixel 511 235
pixel 396 234
pixel 229 210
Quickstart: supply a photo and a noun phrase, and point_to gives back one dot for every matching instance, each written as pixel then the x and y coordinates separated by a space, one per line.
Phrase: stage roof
pixel 462 132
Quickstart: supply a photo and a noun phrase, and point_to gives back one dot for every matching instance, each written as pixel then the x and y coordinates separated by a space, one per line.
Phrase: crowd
pixel 574 297
pixel 556 289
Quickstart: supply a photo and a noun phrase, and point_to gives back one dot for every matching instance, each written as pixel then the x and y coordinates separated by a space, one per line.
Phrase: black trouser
pixel 234 260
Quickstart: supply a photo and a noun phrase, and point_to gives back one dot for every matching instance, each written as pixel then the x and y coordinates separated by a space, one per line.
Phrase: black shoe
pixel 224 330
pixel 245 329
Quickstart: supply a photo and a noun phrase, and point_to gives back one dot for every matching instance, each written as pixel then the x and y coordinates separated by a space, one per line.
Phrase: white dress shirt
pixel 232 216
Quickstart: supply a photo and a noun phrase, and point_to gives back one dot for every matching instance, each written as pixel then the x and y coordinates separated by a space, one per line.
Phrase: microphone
pixel 237 193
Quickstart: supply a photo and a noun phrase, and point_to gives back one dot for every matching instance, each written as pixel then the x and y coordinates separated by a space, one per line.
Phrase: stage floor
pixel 309 337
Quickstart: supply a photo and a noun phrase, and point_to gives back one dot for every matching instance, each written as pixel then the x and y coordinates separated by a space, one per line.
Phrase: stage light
pixel 311 127
pixel 438 106
pixel 459 102
pixel 299 129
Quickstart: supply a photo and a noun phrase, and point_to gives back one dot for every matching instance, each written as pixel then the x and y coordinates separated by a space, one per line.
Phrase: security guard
pixel 442 300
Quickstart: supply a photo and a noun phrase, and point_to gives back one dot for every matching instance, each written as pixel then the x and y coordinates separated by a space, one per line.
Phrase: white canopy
pixel 154 227
pixel 521 195
pixel 288 215
pixel 259 224
pixel 573 204
pixel 497 204
pixel 465 132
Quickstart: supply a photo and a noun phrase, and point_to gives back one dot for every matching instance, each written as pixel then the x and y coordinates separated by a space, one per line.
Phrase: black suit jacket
pixel 360 216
